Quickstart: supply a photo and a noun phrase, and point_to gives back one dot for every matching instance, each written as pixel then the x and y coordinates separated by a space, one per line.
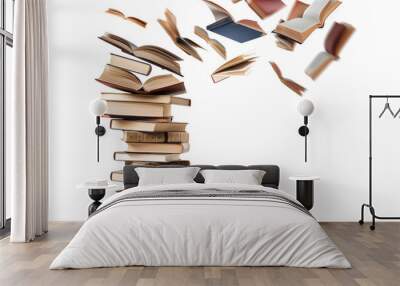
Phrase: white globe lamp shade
pixel 98 107
pixel 305 107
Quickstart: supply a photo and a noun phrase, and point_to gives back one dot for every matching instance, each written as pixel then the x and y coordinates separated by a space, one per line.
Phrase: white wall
pixel 243 120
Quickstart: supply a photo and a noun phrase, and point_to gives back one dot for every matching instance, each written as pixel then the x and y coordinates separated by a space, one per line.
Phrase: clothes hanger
pixel 387 107
pixel 397 113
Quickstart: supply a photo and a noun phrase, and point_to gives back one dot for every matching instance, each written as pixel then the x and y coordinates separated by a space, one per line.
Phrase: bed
pixel 198 224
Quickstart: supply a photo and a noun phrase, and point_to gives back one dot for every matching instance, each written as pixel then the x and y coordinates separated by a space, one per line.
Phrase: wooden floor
pixel 375 257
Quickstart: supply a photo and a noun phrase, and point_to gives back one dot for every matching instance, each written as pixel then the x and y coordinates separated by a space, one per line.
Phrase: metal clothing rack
pixel 370 205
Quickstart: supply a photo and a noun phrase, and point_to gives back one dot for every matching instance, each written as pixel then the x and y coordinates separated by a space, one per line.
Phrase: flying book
pixel 171 28
pixel 297 88
pixel 127 156
pixel 139 109
pixel 124 80
pixel 297 11
pixel 264 8
pixel 158 148
pixel 299 29
pixel 336 39
pixel 147 126
pixel 216 45
pixel 154 137
pixel 237 66
pixel 149 53
pixel 130 64
pixel 224 25
pixel 131 19
pixel 130 97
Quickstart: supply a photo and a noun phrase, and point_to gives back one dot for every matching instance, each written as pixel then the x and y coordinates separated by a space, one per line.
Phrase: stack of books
pixel 142 111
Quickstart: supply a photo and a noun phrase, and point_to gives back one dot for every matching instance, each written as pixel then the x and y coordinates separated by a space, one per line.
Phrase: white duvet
pixel 200 231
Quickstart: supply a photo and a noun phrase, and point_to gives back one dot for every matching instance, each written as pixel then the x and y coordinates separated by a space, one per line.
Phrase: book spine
pixel 142 137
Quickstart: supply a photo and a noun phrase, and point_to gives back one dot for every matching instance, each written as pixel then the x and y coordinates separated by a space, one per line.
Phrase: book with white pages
pixel 299 29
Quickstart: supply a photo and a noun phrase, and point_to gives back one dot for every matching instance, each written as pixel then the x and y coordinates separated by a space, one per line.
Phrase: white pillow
pixel 247 177
pixel 166 176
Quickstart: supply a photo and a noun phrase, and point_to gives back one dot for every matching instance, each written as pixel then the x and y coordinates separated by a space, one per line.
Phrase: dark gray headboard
pixel 271 177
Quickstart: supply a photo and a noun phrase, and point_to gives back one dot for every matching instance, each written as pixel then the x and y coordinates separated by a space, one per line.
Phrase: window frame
pixel 6 39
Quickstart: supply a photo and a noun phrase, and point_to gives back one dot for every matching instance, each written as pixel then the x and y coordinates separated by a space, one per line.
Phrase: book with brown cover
pixel 299 29
pixel 185 44
pixel 335 40
pixel 147 126
pixel 294 86
pixel 216 45
pixel 140 109
pixel 237 66
pixel 131 19
pixel 128 156
pixel 158 148
pixel 149 53
pixel 130 64
pixel 117 176
pixel 157 164
pixel 131 97
pixel 296 11
pixel 124 80
pixel 140 118
pixel 154 137
pixel 264 8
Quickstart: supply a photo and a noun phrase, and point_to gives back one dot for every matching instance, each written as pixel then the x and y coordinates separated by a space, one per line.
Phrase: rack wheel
pixel 361 222
pixel 372 227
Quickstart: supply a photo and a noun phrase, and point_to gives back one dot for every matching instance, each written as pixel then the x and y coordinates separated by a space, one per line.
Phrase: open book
pixel 224 25
pixel 297 11
pixel 239 65
pixel 216 45
pixel 264 8
pixel 122 79
pixel 297 88
pixel 185 44
pixel 152 54
pixel 299 29
pixel 131 19
pixel 337 37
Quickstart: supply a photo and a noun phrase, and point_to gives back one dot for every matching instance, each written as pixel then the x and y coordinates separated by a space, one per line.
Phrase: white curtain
pixel 28 120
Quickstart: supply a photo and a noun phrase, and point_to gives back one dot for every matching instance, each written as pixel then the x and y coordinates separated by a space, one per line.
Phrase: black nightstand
pixel 305 190
pixel 96 193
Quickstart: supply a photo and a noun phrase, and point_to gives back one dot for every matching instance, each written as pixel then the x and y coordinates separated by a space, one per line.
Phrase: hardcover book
pixel 131 19
pixel 264 8
pixel 216 45
pixel 157 164
pixel 147 126
pixel 124 80
pixel 131 97
pixel 158 148
pixel 149 53
pixel 336 39
pixel 185 44
pixel 154 137
pixel 235 67
pixel 127 156
pixel 117 176
pixel 130 64
pixel 297 88
pixel 240 31
pixel 140 109
pixel 299 29
pixel 297 11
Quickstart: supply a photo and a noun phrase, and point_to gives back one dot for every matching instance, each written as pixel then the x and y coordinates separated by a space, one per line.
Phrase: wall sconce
pixel 305 108
pixel 98 107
